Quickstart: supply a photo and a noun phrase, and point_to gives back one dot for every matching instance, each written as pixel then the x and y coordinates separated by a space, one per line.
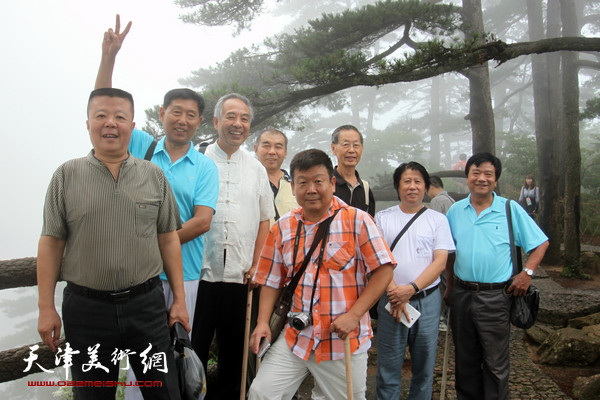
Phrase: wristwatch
pixel 528 271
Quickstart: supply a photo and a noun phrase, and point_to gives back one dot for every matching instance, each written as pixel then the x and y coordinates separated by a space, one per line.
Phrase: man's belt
pixel 118 295
pixel 424 293
pixel 478 286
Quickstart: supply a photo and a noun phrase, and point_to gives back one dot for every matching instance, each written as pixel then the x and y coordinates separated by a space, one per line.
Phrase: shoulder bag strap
pixel 514 255
pixel 150 151
pixel 366 187
pixel 421 211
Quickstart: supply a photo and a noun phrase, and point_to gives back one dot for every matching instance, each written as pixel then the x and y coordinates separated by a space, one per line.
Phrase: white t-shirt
pixel 414 251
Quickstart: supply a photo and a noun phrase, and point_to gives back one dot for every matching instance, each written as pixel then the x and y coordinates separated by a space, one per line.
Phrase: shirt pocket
pixel 424 246
pixel 146 216
pixel 340 255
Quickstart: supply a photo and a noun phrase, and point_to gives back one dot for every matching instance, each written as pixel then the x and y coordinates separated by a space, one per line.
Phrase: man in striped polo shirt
pixel 109 230
pixel 333 293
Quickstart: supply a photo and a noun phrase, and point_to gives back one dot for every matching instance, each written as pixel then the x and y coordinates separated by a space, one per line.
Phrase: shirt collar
pixel 160 147
pixel 339 180
pixel 286 176
pixel 220 153
pixel 336 204
pixel 126 162
pixel 496 206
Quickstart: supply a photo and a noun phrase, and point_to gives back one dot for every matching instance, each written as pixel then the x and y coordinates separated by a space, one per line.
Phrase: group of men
pixel 183 238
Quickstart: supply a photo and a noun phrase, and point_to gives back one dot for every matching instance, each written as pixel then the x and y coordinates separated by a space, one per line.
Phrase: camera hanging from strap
pixel 283 304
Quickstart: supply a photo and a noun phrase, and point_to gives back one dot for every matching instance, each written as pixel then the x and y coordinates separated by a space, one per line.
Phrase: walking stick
pixel 347 359
pixel 445 363
pixel 246 340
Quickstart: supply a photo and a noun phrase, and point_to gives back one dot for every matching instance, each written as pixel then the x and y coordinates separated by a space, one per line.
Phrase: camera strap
pixel 320 236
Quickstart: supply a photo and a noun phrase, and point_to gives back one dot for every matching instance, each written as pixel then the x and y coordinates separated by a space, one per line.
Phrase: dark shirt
pixel 354 197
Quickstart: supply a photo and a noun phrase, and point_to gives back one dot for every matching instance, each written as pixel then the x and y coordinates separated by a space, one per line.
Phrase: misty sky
pixel 50 56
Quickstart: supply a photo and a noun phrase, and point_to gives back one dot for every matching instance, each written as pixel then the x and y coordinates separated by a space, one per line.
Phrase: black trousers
pixel 481 333
pixel 129 325
pixel 221 310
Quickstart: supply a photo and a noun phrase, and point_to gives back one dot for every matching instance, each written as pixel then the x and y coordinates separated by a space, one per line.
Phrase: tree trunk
pixel 543 132
pixel 434 125
pixel 20 272
pixel 570 74
pixel 481 115
pixel 552 201
pixel 13 365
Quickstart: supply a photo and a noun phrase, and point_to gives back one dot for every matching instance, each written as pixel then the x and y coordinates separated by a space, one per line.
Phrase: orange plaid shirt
pixel 354 249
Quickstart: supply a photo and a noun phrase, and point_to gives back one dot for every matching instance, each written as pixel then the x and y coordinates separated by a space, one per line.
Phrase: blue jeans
pixel 131 324
pixel 421 338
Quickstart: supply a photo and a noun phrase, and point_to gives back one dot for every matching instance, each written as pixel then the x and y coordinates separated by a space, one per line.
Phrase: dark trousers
pixel 128 325
pixel 221 309
pixel 481 333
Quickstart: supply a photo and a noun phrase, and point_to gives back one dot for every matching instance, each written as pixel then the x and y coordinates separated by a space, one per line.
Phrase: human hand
pixel 397 312
pixel 178 313
pixel 249 278
pixel 400 294
pixel 262 330
pixel 113 39
pixel 447 294
pixel 344 324
pixel 49 326
pixel 520 284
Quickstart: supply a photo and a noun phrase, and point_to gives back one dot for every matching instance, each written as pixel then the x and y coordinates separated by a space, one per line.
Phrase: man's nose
pixel 111 121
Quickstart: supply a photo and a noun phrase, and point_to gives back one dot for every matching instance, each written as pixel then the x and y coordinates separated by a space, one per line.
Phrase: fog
pixel 51 52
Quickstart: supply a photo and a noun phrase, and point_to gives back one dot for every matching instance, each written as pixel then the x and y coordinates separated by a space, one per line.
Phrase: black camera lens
pixel 301 321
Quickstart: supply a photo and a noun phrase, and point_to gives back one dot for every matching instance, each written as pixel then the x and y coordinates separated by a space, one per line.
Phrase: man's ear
pixel 161 115
pixel 216 123
pixel 333 183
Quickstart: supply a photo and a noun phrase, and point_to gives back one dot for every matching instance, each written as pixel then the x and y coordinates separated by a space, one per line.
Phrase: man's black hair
pixel 272 131
pixel 480 158
pixel 415 166
pixel 186 94
pixel 436 181
pixel 307 159
pixel 111 92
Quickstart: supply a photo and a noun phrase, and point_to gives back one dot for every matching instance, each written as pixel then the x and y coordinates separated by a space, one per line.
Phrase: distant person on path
pixel 529 197
pixel 421 252
pixel 333 290
pixel 347 146
pixel 270 149
pixel 110 228
pixel 440 199
pixel 233 243
pixel 462 162
pixel 193 177
pixel 478 278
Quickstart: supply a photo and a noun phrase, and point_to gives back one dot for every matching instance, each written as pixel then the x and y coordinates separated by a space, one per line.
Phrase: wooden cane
pixel 445 363
pixel 246 340
pixel 348 360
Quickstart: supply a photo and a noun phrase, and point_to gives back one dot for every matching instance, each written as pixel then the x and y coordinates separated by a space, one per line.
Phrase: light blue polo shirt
pixel 194 179
pixel 482 242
